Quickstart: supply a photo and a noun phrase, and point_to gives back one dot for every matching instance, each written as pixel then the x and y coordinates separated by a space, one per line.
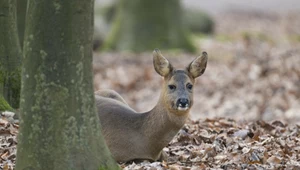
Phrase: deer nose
pixel 183 102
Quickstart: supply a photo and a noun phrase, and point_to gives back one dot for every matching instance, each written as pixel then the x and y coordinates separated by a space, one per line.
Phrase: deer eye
pixel 172 87
pixel 189 86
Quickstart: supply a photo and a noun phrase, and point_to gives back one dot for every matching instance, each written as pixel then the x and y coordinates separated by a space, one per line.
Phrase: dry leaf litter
pixel 218 143
pixel 227 144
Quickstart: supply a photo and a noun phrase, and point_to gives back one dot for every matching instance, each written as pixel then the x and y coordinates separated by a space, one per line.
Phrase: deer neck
pixel 161 124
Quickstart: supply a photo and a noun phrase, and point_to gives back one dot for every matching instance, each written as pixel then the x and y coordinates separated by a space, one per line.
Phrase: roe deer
pixel 131 135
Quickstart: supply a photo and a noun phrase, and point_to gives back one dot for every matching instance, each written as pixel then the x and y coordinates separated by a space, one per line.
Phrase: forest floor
pixel 217 143
pixel 246 113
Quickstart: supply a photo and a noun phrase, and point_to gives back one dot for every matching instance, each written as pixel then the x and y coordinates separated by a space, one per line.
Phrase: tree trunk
pixel 21 15
pixel 59 127
pixel 10 55
pixel 143 25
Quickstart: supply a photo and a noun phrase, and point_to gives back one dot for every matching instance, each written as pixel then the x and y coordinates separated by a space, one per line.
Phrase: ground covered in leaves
pixel 227 144
pixel 8 140
pixel 211 143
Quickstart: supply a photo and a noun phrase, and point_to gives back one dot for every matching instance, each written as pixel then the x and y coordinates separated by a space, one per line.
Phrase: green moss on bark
pixel 144 25
pixel 4 105
pixel 59 127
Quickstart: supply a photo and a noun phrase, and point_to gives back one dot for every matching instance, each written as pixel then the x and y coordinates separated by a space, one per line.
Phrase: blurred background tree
pixel 198 22
pixel 143 25
pixel 10 56
pixel 21 15
pixel 130 25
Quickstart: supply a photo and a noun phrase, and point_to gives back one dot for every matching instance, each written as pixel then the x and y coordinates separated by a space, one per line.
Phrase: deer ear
pixel 161 65
pixel 198 66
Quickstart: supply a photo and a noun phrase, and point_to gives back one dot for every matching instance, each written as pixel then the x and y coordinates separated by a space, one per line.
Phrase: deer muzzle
pixel 183 104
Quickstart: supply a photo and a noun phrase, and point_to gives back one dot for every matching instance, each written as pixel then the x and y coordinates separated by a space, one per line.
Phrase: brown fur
pixel 131 135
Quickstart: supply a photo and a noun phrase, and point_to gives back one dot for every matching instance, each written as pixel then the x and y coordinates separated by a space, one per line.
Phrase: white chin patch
pixel 182 108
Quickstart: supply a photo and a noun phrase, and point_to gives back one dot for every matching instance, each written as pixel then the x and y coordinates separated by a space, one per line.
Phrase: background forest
pixel 253 68
pixel 246 110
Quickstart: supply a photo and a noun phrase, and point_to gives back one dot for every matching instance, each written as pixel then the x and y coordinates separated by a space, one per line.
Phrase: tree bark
pixel 59 127
pixel 21 15
pixel 10 55
pixel 143 25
